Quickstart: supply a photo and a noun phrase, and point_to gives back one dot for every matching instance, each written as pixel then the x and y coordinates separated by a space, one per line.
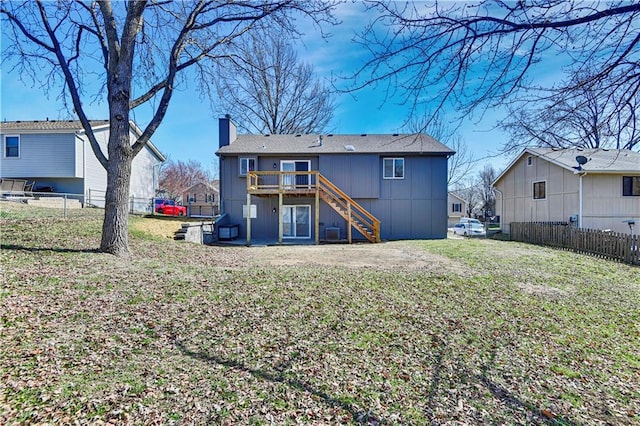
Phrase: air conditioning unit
pixel 332 234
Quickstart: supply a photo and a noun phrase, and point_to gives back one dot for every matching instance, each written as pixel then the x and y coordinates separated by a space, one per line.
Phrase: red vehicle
pixel 169 207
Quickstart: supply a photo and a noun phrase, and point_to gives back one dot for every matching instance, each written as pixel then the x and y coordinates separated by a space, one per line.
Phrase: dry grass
pixel 475 331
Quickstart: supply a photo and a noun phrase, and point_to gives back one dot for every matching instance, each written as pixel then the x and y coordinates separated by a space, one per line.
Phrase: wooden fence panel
pixel 608 245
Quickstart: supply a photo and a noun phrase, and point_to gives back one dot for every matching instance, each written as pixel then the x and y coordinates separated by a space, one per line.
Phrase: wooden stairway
pixel 355 215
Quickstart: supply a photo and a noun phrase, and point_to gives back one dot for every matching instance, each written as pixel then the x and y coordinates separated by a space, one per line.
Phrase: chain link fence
pixel 24 205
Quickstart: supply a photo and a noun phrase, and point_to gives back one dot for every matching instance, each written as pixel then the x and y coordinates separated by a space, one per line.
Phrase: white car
pixel 469 229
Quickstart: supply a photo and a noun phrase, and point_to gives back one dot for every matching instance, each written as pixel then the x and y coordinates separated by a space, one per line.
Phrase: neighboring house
pixel 57 156
pixel 313 187
pixel 202 199
pixel 549 185
pixel 457 207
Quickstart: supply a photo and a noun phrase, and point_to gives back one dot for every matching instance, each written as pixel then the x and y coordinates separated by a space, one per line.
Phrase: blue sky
pixel 190 129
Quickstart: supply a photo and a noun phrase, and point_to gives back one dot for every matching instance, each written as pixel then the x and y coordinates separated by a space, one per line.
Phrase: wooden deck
pixel 267 183
pixel 311 184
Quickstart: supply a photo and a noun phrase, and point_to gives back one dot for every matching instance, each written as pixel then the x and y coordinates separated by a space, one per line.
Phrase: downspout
pixel 84 169
pixel 581 174
pixel 501 207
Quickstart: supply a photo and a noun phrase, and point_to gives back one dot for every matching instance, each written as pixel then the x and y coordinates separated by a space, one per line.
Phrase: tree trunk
pixel 115 228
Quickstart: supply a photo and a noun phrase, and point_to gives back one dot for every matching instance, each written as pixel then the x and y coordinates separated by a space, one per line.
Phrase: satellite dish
pixel 582 160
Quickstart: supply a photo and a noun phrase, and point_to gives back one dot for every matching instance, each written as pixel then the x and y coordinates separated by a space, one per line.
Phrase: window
pixel 393 168
pixel 529 161
pixel 209 198
pixel 247 165
pixel 12 146
pixel 456 207
pixel 631 186
pixel 539 190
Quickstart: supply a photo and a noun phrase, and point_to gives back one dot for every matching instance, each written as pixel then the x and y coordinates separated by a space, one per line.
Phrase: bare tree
pixel 471 54
pixel 486 176
pixel 135 52
pixel 176 176
pixel 470 193
pixel 267 89
pixel 577 119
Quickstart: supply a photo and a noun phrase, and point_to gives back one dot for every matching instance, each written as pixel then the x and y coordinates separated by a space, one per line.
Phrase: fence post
pixel 64 206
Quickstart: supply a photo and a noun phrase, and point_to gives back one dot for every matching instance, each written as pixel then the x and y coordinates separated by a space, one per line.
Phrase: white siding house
pixel 57 156
pixel 457 208
pixel 549 185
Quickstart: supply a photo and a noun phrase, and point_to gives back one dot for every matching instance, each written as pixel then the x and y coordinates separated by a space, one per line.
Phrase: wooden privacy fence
pixel 609 245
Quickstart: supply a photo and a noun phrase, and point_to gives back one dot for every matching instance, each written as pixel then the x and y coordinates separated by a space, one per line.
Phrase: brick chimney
pixel 227 131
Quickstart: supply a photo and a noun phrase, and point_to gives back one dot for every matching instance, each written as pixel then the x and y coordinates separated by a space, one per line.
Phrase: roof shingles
pixel 334 144
pixel 71 125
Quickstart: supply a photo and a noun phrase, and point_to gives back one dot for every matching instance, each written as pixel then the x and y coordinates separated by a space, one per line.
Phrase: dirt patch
pixel 387 255
pixel 543 290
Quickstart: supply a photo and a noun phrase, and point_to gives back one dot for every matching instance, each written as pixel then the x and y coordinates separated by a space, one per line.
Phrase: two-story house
pixel 57 156
pixel 591 188
pixel 333 187
pixel 201 199
pixel 457 208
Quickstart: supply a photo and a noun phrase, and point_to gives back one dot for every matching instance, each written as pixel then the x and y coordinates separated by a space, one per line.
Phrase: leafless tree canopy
pixel 482 54
pixel 130 54
pixel 266 89
pixel 486 176
pixel 177 176
pixel 583 118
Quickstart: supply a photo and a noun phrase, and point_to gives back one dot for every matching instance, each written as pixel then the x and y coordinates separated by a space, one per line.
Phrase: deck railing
pixel 265 182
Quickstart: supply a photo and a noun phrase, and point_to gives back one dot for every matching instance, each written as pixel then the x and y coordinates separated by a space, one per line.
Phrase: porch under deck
pixel 310 184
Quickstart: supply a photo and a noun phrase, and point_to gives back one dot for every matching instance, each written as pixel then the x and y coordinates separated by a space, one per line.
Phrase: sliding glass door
pixel 296 221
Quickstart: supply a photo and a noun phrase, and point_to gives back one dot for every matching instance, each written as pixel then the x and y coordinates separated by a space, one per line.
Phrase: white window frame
pixel 533 190
pixel 4 146
pixel 247 169
pixel 394 159
pixel 459 207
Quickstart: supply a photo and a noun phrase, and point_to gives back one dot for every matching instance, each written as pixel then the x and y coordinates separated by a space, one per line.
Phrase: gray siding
pixel 358 175
pixel 42 156
pixel 410 208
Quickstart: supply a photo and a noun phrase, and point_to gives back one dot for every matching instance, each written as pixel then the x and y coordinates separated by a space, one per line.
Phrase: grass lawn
pixel 187 334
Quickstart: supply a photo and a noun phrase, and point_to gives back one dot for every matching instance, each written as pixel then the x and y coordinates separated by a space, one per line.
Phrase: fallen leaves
pixel 181 333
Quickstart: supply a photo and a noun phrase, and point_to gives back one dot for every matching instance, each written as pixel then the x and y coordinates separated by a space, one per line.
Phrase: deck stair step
pixel 350 210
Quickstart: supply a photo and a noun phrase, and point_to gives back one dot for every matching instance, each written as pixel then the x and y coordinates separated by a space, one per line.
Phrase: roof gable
pixel 69 126
pixel 599 161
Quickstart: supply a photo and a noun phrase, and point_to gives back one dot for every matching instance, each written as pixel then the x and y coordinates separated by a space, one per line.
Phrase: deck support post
pixel 317 215
pixel 248 219
pixel 349 222
pixel 280 224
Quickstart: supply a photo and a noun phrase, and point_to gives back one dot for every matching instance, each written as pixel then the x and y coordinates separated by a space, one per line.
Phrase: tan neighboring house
pixel 549 185
pixel 202 199
pixel 457 208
